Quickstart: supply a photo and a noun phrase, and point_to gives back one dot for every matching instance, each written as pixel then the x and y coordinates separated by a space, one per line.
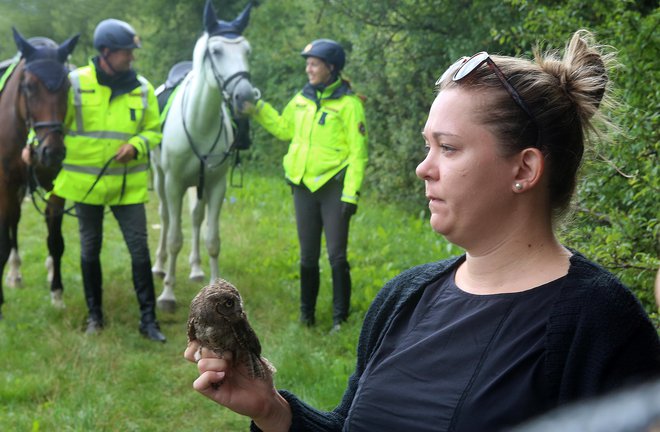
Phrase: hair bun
pixel 583 75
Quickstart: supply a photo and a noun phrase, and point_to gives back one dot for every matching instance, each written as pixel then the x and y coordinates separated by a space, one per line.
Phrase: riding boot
pixel 92 284
pixel 341 293
pixel 309 290
pixel 143 282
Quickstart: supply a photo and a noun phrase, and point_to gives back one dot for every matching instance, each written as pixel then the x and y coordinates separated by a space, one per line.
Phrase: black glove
pixel 348 209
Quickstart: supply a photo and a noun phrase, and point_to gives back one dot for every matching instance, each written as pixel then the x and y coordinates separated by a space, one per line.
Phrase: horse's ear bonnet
pixel 44 60
pixel 231 30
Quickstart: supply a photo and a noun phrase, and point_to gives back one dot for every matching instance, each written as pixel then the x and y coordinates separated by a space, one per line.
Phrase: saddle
pixel 164 92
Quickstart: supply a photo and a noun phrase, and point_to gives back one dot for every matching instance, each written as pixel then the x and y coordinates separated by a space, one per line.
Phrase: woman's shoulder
pixel 590 276
pixel 596 290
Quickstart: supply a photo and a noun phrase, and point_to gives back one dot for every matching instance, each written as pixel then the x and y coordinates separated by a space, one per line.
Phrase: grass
pixel 55 378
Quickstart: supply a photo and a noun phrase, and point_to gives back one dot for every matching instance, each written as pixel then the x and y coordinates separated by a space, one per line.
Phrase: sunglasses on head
pixel 466 65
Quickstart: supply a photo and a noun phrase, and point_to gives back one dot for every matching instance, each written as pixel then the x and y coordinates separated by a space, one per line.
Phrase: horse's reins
pixel 96 180
pixel 222 84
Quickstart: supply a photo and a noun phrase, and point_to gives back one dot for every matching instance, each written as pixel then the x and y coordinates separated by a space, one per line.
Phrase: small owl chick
pixel 218 322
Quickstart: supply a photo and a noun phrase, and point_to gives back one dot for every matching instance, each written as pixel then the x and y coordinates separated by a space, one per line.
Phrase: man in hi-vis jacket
pixel 112 124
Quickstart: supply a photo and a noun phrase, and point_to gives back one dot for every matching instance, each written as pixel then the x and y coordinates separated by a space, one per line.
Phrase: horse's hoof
pixel 168 306
pixel 56 299
pixel 196 275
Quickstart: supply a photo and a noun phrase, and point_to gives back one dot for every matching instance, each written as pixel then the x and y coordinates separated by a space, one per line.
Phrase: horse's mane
pixel 199 52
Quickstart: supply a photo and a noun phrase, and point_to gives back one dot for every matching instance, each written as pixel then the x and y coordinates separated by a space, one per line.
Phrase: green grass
pixel 54 378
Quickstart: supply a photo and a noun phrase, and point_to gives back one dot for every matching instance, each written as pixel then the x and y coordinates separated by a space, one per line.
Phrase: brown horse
pixel 34 97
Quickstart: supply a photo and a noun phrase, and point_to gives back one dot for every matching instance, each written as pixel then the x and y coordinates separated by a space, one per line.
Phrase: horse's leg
pixel 167 301
pixel 4 254
pixel 54 216
pixel 197 217
pixel 160 260
pixel 14 277
pixel 216 197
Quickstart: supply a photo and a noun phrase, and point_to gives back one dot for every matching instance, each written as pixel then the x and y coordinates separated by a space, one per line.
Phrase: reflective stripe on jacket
pixel 327 132
pixel 96 127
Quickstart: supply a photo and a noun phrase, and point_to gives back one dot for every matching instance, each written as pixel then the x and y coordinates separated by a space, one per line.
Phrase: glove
pixel 348 209
pixel 250 107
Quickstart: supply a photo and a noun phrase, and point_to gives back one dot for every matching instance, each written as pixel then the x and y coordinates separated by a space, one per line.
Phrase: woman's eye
pixel 446 149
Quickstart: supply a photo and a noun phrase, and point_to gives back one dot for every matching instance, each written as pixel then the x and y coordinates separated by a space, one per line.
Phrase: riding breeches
pixel 132 221
pixel 317 212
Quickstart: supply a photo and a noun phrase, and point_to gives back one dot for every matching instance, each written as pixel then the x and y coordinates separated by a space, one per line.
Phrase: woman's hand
pixel 232 387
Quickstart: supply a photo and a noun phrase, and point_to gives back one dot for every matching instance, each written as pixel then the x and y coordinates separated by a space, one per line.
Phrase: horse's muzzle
pixel 244 95
pixel 51 155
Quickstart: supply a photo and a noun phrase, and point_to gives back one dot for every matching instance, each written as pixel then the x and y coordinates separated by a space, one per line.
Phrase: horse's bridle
pixel 50 126
pixel 223 85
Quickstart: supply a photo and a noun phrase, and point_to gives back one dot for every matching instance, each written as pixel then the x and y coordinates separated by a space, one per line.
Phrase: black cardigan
pixel 598 338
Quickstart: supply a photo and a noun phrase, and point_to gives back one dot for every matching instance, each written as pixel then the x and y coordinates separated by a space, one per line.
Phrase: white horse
pixel 197 145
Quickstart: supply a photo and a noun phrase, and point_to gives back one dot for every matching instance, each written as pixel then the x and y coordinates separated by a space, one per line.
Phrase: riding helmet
pixel 327 50
pixel 115 34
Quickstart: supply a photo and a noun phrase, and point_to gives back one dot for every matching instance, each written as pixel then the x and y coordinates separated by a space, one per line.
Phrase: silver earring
pixel 518 186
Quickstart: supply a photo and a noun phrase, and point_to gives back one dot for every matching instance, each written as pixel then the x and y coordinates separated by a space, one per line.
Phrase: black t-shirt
pixel 458 361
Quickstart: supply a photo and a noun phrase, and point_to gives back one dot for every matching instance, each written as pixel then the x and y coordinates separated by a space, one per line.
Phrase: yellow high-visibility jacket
pixel 327 132
pixel 96 127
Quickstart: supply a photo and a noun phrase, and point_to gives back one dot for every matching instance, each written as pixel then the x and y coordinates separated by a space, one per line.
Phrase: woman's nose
pixel 422 170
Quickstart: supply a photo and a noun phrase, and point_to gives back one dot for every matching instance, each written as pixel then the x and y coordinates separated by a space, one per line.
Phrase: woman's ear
pixel 529 169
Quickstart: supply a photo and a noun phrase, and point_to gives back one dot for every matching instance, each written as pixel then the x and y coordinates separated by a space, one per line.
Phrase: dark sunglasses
pixel 466 65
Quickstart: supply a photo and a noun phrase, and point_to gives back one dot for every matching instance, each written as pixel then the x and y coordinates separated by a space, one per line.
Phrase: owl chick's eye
pixel 225 306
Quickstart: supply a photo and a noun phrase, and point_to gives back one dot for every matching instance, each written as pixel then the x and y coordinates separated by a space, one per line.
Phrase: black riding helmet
pixel 327 50
pixel 115 35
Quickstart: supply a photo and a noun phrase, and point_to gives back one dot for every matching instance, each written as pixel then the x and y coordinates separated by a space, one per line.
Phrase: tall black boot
pixel 341 293
pixel 143 282
pixel 309 291
pixel 92 284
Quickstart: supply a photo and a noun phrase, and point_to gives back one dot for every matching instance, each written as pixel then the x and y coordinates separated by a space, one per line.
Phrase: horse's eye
pixel 29 87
